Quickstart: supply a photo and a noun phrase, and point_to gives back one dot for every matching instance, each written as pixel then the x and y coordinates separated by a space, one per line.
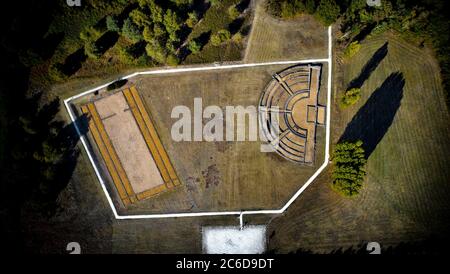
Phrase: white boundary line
pixel 205 68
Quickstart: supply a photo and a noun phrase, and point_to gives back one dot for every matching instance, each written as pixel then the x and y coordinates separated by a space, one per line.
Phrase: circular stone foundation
pixel 288 112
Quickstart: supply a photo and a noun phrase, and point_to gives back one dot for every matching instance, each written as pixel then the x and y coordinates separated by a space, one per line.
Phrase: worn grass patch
pixel 275 39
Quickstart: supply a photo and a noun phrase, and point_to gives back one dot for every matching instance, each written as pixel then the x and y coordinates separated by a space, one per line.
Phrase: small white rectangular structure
pixel 233 240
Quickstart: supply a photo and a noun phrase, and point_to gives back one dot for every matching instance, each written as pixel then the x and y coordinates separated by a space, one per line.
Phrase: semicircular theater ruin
pixel 289 112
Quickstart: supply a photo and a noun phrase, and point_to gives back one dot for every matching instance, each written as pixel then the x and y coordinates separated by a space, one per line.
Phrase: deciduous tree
pixel 348 168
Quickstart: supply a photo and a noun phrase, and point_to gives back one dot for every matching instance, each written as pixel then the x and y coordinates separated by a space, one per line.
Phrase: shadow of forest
pixel 40 151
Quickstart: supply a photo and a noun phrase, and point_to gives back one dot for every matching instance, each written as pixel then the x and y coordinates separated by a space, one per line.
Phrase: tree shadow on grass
pixel 200 7
pixel 365 32
pixel 236 25
pixel 369 67
pixel 55 154
pixel 246 29
pixel 373 120
pixel 243 5
pixel 49 44
pixel 117 84
pixel 67 139
pixel 42 155
pixel 74 62
pixel 106 41
pixel 202 39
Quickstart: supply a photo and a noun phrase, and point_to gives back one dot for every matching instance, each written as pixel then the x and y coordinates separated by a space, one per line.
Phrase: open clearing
pixel 404 195
pixel 85 215
pixel 220 175
pixel 404 198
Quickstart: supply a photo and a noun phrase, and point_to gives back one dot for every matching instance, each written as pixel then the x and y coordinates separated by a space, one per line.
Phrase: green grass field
pixel 404 195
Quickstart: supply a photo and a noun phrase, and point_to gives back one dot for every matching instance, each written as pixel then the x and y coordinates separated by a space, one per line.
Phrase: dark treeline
pixel 38 153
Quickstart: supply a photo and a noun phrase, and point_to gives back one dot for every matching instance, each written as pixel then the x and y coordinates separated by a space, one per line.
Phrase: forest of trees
pixel 143 32
pixel 348 168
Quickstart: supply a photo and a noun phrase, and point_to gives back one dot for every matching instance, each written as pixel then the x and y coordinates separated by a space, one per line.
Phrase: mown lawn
pixel 272 39
pixel 405 194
